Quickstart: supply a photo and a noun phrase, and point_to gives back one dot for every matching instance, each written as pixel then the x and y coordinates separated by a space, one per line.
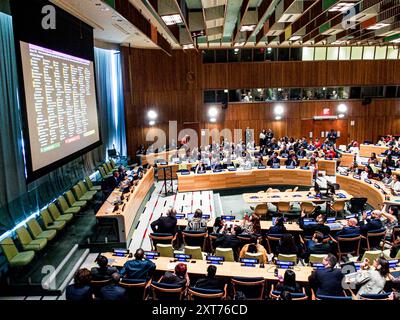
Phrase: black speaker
pixel 366 101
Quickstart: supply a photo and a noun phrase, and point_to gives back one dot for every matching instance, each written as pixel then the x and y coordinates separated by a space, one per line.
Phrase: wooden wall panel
pixel 173 86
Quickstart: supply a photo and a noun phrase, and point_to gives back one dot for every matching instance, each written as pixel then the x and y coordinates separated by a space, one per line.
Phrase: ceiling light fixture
pixel 378 26
pixel 188 46
pixel 294 38
pixel 249 27
pixel 239 44
pixel 172 19
pixel 342 7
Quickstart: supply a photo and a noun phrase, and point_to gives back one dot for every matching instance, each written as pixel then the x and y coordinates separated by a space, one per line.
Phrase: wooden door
pixel 321 127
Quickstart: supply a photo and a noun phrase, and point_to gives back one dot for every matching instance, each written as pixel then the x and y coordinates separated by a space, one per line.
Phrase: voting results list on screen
pixel 61 104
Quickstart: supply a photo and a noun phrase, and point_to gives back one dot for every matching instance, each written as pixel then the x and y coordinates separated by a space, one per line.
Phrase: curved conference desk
pixel 376 192
pixel 243 178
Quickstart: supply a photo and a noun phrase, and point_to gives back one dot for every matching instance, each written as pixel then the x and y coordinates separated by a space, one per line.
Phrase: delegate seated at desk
pixel 274 160
pixel 310 229
pixel 165 224
pixel 292 161
pixel 395 185
pixel 370 224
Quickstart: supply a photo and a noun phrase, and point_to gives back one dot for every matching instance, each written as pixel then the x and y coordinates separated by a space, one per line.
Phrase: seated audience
pixel 254 247
pixel 327 281
pixel 370 224
pixel 197 223
pixel 179 277
pixel 317 245
pixel 278 227
pixel 165 224
pixel 395 185
pixel 252 225
pixel 287 245
pixel 219 225
pixel 230 240
pixel 273 160
pixel 139 268
pixel 350 229
pixel 103 271
pixel 288 283
pixel 80 290
pixel 292 161
pixel 373 159
pixel 310 229
pixel 210 281
pixel 373 281
pixel 113 291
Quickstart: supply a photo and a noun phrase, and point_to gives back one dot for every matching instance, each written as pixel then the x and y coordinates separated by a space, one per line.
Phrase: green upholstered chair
pixel 288 258
pixel 79 194
pixel 104 174
pixel 113 164
pixel 28 244
pixel 316 258
pixel 49 223
pixel 371 255
pixel 107 169
pixel 165 250
pixel 91 186
pixel 258 256
pixel 110 167
pixel 227 253
pixel 85 190
pixel 194 251
pixel 65 208
pixel 72 201
pixel 37 231
pixel 56 214
pixel 13 256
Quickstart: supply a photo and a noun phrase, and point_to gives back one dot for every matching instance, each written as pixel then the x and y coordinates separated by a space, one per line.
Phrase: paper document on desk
pixel 171 266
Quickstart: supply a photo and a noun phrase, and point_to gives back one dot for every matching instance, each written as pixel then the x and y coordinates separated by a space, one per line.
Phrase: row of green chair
pixel 107 169
pixel 54 220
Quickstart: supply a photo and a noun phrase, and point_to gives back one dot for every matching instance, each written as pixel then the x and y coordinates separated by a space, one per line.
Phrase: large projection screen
pixel 61 107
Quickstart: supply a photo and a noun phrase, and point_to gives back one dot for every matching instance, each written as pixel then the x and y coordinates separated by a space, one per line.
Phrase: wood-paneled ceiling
pixel 259 23
pixel 204 24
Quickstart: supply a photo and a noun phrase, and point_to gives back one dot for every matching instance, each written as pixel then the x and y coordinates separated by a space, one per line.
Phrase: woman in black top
pixel 288 283
pixel 287 245
pixel 278 228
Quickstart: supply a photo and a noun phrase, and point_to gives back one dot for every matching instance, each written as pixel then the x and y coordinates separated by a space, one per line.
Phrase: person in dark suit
pixel 103 271
pixel 351 229
pixel 230 240
pixel 370 224
pixel 310 229
pixel 165 224
pixel 140 268
pixel 210 281
pixel 80 290
pixel 327 281
pixel 292 161
pixel 114 181
pixel 287 245
pixel 278 227
pixel 113 292
pixel 317 245
pixel 302 152
pixel 179 277
pixel 332 136
pixel 273 160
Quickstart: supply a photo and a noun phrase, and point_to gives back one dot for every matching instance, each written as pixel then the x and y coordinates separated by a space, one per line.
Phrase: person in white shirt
pixel 395 185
